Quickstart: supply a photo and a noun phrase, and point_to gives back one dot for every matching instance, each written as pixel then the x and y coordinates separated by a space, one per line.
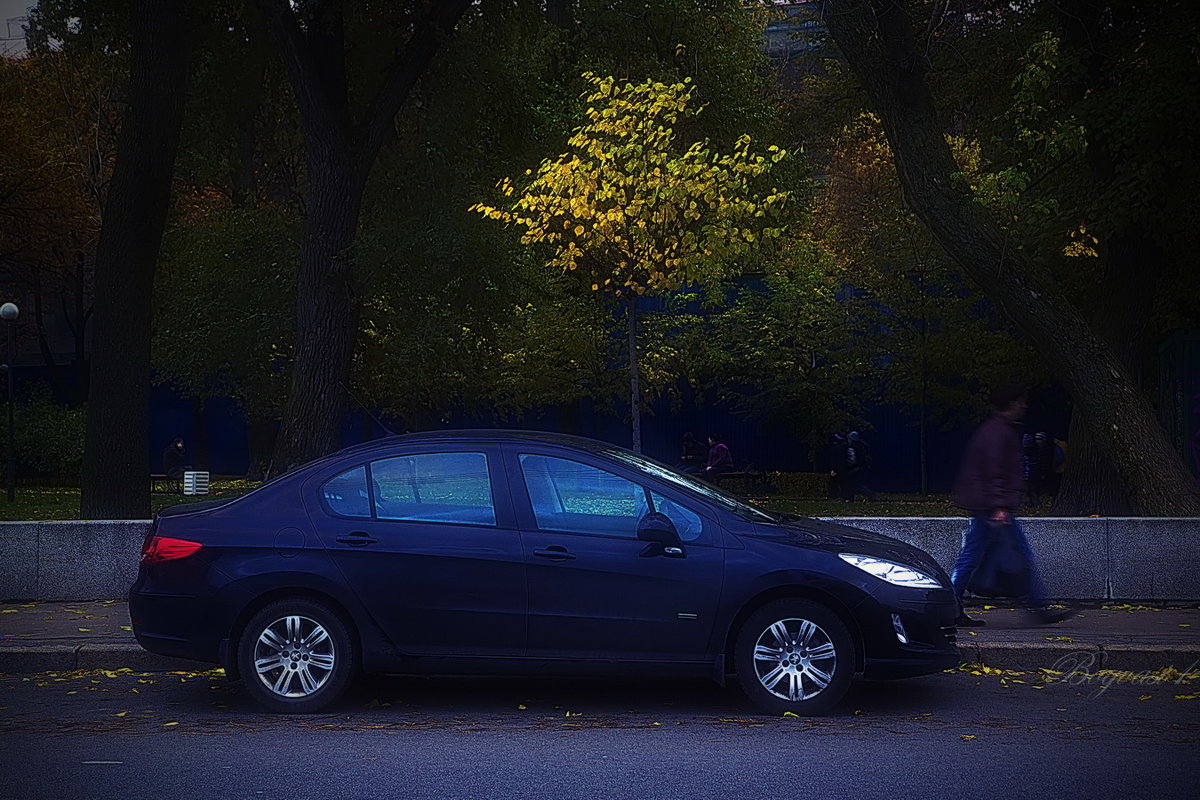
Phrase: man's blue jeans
pixel 974 545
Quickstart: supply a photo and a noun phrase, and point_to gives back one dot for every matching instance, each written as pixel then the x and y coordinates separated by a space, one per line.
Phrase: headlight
pixel 892 572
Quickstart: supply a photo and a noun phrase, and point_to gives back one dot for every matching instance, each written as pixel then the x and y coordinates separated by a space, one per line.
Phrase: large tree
pixel 115 485
pixel 877 39
pixel 343 134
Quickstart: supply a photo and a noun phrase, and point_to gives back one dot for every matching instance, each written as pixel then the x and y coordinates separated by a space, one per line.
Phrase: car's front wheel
pixel 794 655
pixel 296 656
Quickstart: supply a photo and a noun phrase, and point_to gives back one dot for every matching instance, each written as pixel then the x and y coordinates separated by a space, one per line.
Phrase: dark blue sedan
pixel 518 552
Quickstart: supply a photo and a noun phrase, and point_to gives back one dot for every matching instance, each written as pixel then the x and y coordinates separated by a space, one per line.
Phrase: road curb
pixel 1079 656
pixel 65 658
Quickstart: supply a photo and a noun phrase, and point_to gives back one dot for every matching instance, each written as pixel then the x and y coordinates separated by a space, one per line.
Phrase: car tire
pixel 296 656
pixel 794 656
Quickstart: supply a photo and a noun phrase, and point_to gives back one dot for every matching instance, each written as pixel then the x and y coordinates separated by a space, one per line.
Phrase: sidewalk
pixel 39 637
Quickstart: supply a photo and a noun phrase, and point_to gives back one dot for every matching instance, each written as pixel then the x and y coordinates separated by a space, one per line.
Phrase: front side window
pixel 346 494
pixel 577 498
pixel 434 487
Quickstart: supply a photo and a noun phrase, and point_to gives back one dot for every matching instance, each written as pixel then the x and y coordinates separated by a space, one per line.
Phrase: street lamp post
pixel 9 313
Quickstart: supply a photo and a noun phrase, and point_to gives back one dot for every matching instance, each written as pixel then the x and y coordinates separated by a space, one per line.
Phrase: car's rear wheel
pixel 296 656
pixel 794 655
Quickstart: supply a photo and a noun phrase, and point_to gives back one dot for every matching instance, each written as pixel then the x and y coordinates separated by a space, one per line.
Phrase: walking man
pixel 989 489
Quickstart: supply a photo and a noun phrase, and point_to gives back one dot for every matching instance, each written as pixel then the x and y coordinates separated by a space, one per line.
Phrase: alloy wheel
pixel 294 656
pixel 795 659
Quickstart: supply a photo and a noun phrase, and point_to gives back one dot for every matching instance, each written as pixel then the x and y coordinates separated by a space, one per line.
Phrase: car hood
pixel 831 536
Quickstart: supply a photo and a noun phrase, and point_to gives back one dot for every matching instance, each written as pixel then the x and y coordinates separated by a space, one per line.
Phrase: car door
pixel 595 591
pixel 428 542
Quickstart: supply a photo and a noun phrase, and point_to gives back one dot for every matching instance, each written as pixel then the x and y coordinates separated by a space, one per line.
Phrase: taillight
pixel 164 548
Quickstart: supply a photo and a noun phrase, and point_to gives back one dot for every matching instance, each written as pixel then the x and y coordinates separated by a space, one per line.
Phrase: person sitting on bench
pixel 174 460
pixel 719 459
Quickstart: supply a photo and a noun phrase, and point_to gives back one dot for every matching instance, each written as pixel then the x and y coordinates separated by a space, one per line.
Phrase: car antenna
pixel 385 428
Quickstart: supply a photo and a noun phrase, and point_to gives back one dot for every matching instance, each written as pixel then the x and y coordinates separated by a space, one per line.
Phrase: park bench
pixel 745 481
pixel 161 483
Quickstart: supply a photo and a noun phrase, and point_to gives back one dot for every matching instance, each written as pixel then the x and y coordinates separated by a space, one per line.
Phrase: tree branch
pixel 403 74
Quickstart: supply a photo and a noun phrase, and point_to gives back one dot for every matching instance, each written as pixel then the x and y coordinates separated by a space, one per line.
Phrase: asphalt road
pixel 193 735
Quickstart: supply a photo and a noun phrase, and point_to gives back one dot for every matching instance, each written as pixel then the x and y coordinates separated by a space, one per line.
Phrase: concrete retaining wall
pixel 1143 559
pixel 1111 558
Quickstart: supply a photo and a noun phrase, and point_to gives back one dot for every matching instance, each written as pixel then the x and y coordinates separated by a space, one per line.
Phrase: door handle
pixel 357 539
pixel 555 553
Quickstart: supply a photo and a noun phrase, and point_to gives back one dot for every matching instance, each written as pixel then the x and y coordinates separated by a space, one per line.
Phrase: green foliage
pixel 937 345
pixel 633 211
pixel 1090 143
pixel 48 437
pixel 223 302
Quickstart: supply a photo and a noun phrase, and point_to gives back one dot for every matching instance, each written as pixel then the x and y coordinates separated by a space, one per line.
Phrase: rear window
pixel 346 494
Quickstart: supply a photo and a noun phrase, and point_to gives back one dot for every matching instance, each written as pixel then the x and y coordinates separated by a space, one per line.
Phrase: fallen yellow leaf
pixel 966 737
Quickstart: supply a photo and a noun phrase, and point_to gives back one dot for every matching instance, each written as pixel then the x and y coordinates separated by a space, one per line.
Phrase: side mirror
pixel 658 529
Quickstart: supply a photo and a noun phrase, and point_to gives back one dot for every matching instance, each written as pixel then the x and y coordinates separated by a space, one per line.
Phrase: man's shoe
pixel 1047 617
pixel 964 621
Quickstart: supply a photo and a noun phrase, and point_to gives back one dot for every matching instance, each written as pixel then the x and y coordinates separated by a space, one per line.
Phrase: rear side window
pixel 434 487
pixel 346 494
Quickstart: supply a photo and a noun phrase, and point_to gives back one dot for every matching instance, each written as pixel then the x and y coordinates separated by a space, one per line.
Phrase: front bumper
pixel 927 619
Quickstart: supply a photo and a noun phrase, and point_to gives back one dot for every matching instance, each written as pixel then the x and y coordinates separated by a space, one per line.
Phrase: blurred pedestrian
pixel 989 489
pixel 866 462
pixel 837 458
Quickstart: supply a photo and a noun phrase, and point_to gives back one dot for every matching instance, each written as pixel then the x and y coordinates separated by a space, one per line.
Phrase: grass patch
pixel 57 502
pixel 884 505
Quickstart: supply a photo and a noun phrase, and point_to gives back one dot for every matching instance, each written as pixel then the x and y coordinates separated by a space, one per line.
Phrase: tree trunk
pixel 635 384
pixel 877 39
pixel 115 473
pixel 340 155
pixel 1134 265
pixel 1091 484
pixel 326 319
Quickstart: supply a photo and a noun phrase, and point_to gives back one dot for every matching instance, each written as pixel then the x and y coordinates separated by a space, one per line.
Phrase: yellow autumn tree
pixel 634 212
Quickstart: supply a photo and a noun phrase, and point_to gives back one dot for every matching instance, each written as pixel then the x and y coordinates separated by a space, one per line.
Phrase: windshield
pixel 723 499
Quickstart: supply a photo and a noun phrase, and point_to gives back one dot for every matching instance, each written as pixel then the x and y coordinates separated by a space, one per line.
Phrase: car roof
pixel 478 435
